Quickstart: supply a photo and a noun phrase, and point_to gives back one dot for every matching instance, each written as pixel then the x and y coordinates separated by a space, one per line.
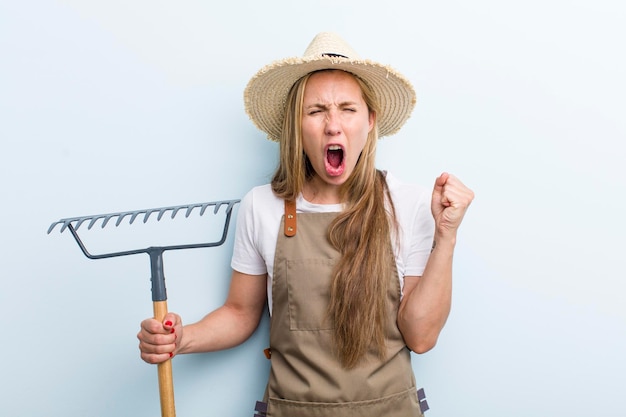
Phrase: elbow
pixel 418 338
pixel 422 345
pixel 420 335
pixel 420 348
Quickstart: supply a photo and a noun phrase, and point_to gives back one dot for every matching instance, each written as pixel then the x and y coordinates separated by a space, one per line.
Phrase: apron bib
pixel 306 379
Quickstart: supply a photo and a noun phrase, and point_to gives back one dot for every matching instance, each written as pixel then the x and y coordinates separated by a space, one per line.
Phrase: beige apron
pixel 306 379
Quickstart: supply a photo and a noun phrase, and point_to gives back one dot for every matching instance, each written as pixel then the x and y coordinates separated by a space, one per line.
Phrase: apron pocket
pixel 308 291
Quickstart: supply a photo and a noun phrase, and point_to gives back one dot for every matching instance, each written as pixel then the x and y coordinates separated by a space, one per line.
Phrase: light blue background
pixel 119 105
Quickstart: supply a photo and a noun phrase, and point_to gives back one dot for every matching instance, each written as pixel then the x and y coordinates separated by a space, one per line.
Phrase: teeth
pixel 334 148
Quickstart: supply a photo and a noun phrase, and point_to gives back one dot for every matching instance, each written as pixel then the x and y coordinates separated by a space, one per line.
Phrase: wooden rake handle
pixel 166 382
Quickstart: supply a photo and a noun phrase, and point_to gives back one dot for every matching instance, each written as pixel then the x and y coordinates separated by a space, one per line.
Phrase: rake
pixel 159 293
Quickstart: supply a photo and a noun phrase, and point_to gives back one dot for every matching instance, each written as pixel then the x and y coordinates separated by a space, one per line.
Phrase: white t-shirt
pixel 260 213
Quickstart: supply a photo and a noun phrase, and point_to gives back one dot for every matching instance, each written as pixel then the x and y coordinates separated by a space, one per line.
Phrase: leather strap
pixel 290 218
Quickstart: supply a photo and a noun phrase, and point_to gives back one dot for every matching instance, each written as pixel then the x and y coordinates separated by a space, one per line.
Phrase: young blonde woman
pixel 356 266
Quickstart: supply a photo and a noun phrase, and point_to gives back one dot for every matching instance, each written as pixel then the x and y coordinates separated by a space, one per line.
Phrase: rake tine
pixel 199 205
pixel 148 213
pixel 134 216
pixel 93 221
pixel 65 225
pixel 161 213
pixel 219 204
pixel 120 218
pixel 53 225
pixel 190 209
pixel 175 210
pixel 106 220
pixel 81 221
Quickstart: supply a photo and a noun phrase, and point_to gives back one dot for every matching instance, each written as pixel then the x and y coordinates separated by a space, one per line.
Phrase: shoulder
pixel 411 203
pixel 406 194
pixel 260 210
pixel 261 198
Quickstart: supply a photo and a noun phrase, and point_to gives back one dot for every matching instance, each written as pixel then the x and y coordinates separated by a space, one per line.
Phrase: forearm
pixel 223 328
pixel 231 324
pixel 426 304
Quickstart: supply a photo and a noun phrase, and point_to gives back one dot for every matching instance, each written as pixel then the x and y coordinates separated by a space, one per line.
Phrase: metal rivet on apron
pixel 290 216
pixel 290 229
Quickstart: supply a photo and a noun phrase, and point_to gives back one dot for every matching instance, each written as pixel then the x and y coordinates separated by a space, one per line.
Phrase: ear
pixel 372 120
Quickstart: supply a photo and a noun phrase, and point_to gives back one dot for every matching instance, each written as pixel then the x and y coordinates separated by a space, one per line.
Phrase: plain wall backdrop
pixel 121 105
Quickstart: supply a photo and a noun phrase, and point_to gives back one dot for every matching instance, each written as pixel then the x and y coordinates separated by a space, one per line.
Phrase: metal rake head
pixel 74 223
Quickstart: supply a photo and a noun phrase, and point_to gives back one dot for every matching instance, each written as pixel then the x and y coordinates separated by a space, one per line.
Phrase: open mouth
pixel 334 160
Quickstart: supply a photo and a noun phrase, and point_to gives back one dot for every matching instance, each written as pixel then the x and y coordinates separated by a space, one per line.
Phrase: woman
pixel 354 270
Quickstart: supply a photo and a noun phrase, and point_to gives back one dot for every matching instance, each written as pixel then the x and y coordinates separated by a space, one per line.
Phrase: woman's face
pixel 335 125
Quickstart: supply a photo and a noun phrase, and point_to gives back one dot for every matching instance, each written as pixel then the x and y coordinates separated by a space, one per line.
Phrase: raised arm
pixel 426 302
pixel 226 327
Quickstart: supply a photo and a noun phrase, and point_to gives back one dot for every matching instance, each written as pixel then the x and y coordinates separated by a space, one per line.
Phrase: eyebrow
pixel 325 106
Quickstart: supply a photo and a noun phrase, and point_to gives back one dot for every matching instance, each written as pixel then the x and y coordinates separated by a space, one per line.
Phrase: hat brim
pixel 266 94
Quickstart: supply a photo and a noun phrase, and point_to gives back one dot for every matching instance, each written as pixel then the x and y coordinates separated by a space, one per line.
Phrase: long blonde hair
pixel 361 233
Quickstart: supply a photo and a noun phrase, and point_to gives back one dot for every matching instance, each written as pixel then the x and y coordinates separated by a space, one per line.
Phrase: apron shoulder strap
pixel 290 218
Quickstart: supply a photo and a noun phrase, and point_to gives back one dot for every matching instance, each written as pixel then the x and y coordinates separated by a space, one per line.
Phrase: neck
pixel 319 192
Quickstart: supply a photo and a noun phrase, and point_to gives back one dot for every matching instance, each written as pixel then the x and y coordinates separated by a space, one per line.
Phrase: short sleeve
pixel 246 254
pixel 420 237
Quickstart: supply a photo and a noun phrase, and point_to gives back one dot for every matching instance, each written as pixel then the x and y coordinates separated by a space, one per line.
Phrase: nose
pixel 333 125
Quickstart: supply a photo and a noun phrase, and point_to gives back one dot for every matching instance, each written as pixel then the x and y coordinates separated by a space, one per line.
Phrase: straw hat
pixel 266 93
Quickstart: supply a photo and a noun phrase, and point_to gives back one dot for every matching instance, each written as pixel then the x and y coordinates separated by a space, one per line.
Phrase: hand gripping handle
pixel 166 383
